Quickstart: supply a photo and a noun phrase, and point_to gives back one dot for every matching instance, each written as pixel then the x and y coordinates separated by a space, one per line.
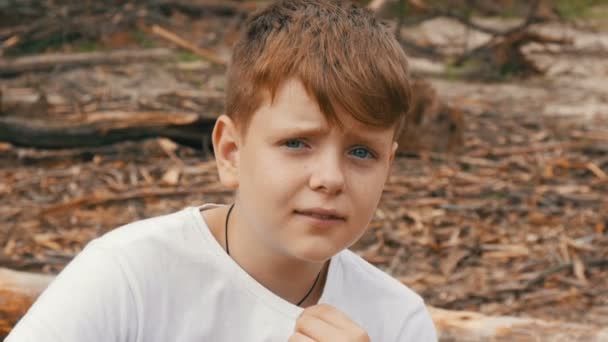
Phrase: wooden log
pixel 19 289
pixel 50 61
pixel 472 326
pixel 197 9
pixel 104 128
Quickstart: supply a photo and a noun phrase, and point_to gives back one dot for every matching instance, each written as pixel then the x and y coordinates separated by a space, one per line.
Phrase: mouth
pixel 322 214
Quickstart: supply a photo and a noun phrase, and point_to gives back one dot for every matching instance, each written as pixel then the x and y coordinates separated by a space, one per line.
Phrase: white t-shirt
pixel 168 279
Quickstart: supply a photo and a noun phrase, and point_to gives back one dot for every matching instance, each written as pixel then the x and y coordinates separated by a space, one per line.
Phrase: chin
pixel 318 253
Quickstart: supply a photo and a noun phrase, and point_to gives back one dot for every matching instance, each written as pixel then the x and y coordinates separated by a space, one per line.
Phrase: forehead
pixel 292 109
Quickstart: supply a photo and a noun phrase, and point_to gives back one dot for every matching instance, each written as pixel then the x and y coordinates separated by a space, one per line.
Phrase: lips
pixel 321 214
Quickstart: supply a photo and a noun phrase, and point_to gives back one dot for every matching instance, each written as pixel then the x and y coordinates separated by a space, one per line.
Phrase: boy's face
pixel 305 188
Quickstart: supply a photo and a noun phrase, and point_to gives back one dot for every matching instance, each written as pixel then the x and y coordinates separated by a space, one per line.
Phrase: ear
pixel 391 159
pixel 226 142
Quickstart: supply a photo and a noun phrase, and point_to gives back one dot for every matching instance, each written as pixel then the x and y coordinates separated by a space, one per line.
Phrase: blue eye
pixel 362 153
pixel 293 144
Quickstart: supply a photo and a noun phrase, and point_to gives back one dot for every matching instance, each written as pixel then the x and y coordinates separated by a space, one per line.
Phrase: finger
pixel 298 337
pixel 316 328
pixel 340 321
pixel 330 315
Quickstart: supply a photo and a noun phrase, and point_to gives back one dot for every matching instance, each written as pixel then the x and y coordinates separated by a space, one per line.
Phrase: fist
pixel 324 323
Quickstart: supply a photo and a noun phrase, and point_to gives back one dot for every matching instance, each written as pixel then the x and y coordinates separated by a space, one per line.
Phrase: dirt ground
pixel 516 223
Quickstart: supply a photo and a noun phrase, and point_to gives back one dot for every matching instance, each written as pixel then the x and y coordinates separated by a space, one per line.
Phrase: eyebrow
pixel 308 131
pixel 374 140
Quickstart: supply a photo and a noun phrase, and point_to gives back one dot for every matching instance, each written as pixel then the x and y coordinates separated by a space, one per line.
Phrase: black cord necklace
pixel 228 252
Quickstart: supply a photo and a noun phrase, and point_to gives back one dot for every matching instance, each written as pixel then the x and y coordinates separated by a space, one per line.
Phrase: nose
pixel 327 175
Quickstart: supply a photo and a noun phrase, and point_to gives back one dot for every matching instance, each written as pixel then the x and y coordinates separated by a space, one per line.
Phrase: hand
pixel 324 323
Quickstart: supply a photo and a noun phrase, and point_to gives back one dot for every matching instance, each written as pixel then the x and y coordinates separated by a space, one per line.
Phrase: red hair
pixel 342 54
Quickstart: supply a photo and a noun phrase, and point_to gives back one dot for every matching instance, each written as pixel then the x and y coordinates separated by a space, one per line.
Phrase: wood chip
pixel 171 177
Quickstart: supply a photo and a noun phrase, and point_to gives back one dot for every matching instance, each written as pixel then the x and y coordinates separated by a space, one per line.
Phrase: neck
pixel 287 277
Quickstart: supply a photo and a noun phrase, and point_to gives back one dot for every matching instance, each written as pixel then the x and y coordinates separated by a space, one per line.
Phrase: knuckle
pixel 326 306
pixel 361 335
pixel 323 308
pixel 358 335
pixel 301 323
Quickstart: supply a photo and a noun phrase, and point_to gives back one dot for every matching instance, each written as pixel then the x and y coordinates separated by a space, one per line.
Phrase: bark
pixel 49 61
pixel 104 128
pixel 472 326
pixel 197 9
pixel 19 289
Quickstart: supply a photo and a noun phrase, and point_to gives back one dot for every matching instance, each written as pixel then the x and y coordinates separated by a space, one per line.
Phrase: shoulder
pixel 176 226
pixel 387 308
pixel 154 246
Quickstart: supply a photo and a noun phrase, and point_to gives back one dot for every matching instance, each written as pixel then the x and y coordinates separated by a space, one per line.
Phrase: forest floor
pixel 515 223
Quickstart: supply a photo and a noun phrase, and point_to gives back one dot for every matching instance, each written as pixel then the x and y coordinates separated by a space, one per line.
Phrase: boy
pixel 317 91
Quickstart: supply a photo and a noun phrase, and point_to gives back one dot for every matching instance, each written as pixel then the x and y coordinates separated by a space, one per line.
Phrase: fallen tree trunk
pixel 49 61
pixel 19 289
pixel 473 326
pixel 198 9
pixel 104 128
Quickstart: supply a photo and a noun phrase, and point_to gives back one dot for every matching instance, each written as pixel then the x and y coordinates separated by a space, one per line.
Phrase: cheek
pixel 267 177
pixel 366 193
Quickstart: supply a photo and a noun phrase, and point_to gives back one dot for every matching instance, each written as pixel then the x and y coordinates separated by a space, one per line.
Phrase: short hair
pixel 342 54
